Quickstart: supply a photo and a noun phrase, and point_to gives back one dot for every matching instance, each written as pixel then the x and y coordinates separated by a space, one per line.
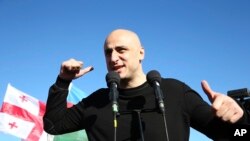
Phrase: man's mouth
pixel 117 68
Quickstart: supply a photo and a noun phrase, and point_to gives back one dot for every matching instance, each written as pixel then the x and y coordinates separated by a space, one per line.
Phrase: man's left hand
pixel 225 107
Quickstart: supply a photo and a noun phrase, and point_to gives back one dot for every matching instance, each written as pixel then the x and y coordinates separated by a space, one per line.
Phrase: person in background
pixel 184 107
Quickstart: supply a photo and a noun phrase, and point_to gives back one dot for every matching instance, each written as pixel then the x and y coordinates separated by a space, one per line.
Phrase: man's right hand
pixel 72 69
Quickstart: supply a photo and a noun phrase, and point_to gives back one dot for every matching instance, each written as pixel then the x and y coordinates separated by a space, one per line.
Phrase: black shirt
pixel 183 106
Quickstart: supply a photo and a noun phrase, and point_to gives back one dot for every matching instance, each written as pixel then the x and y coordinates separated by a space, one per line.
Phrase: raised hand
pixel 72 69
pixel 225 107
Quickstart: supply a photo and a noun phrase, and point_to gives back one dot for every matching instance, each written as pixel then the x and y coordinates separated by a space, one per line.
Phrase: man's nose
pixel 114 56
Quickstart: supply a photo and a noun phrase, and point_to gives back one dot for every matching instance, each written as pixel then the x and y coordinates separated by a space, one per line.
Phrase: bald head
pixel 124 54
pixel 121 37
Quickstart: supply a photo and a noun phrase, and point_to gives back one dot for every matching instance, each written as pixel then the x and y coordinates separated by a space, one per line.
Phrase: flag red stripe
pixel 19 112
pixel 25 115
pixel 42 108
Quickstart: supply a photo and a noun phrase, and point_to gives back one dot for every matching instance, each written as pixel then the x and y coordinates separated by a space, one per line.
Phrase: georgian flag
pixel 15 126
pixel 21 115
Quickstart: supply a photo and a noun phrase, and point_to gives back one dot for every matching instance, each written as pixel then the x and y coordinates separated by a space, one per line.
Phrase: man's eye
pixel 121 50
pixel 108 52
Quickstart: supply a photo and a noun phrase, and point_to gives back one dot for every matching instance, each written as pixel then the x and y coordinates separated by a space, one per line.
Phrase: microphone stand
pixel 140 123
pixel 159 97
pixel 115 126
pixel 165 125
pixel 113 97
pixel 138 112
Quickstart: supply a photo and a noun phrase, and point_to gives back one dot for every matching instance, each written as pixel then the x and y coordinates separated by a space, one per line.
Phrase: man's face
pixel 123 55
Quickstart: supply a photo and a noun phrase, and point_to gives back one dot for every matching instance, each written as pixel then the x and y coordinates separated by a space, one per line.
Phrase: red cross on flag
pixel 21 115
pixel 15 126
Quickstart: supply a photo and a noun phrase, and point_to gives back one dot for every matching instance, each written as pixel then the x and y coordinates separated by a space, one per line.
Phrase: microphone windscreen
pixel 153 76
pixel 112 77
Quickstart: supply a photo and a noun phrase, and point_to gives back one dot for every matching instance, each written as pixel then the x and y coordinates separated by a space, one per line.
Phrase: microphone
pixel 154 79
pixel 113 82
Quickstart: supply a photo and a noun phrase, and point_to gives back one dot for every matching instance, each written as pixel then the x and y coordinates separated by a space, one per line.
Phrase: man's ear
pixel 142 54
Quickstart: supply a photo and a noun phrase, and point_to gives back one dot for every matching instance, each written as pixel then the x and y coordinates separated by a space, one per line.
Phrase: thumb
pixel 206 88
pixel 84 71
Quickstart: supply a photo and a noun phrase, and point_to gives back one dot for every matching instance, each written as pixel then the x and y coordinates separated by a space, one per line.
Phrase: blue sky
pixel 188 40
